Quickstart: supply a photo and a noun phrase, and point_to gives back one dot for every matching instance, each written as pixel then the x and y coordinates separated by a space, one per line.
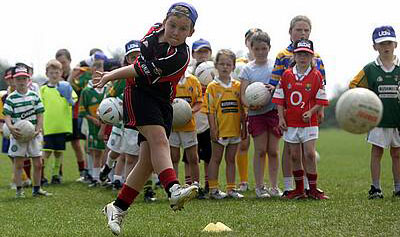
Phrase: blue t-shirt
pixel 259 73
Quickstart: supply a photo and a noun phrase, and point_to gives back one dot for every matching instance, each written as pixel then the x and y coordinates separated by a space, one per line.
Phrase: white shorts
pixel 300 135
pixel 32 148
pixel 115 141
pixel 184 139
pixel 229 140
pixel 129 142
pixel 384 137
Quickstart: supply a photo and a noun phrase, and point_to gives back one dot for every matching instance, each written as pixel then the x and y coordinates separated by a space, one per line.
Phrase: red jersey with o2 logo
pixel 298 94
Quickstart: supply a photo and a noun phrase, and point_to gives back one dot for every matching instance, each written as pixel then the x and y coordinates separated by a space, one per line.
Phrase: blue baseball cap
pixel 132 46
pixel 383 33
pixel 199 44
pixel 192 15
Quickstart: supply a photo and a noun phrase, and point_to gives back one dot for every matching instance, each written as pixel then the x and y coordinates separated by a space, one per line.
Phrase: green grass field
pixel 75 210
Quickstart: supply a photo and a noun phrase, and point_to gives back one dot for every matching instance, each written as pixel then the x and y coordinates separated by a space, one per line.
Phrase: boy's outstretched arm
pixel 101 78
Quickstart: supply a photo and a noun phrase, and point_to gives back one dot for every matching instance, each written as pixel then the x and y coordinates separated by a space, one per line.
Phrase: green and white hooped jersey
pixel 23 106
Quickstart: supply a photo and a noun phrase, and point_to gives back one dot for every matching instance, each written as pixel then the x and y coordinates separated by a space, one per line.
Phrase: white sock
pixel 306 186
pixel 288 182
pixel 118 177
pixel 396 187
pixel 96 174
pixel 110 161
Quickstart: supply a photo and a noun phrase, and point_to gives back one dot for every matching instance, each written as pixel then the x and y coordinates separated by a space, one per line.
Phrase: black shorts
pixel 203 147
pixel 76 131
pixel 54 142
pixel 140 109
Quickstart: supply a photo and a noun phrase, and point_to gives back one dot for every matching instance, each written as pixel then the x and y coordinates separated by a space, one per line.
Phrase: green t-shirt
pixel 385 85
pixel 23 106
pixel 57 117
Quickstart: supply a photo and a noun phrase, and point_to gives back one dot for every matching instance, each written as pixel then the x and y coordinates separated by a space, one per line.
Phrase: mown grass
pixel 75 210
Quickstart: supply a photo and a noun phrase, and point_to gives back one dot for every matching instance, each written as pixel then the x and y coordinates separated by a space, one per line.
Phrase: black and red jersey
pixel 160 65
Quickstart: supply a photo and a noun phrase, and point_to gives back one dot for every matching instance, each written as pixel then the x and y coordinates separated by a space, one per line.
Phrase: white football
pixel 205 72
pixel 27 130
pixel 6 131
pixel 257 94
pixel 111 110
pixel 182 112
pixel 359 110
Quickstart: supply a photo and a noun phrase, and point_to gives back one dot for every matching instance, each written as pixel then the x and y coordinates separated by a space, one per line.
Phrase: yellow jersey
pixel 189 89
pixel 224 102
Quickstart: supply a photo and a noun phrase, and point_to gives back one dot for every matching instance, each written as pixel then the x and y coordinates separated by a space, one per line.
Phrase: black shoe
pixel 44 182
pixel 396 194
pixel 55 180
pixel 116 185
pixel 201 194
pixel 105 170
pixel 94 184
pixel 149 195
pixel 374 193
pixel 285 193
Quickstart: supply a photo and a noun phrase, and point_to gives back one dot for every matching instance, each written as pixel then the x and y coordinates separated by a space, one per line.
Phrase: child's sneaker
pixel 149 195
pixel 396 194
pixel 13 186
pixel 374 193
pixel 41 192
pixel 26 183
pixel 114 217
pixel 20 194
pixel 181 194
pixel 294 194
pixel 217 194
pixel 55 179
pixel 116 185
pixel 244 186
pixel 317 194
pixel 44 182
pixel 275 192
pixel 105 170
pixel 94 184
pixel 233 193
pixel 262 192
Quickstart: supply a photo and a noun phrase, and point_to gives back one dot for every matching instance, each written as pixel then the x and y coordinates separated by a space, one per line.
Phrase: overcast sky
pixel 32 31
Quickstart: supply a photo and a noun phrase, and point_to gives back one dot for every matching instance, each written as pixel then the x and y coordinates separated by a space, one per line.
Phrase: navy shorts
pixel 54 142
pixel 76 131
pixel 140 109
pixel 6 145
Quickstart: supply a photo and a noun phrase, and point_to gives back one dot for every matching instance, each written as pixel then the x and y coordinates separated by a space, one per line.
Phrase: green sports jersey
pixel 81 82
pixel 117 89
pixel 385 85
pixel 90 100
pixel 23 106
pixel 57 117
